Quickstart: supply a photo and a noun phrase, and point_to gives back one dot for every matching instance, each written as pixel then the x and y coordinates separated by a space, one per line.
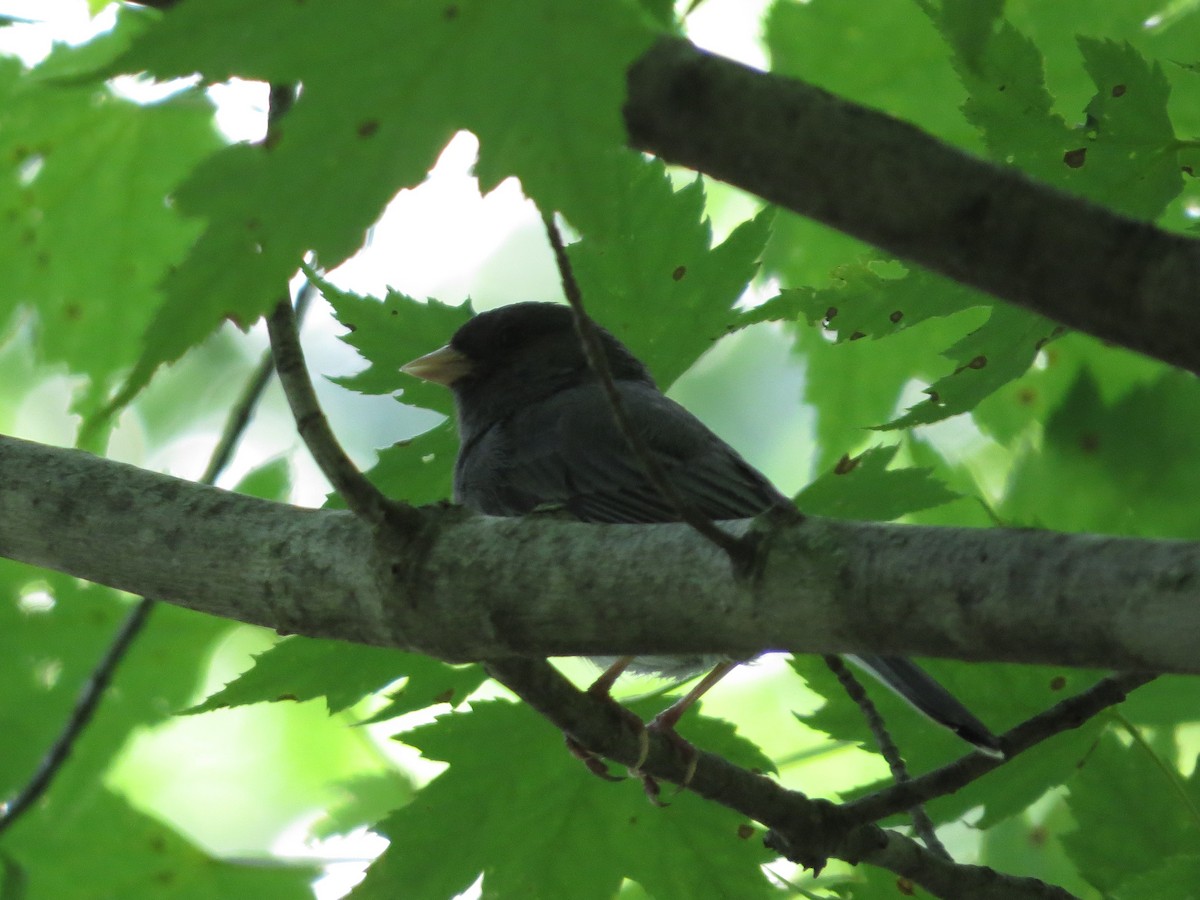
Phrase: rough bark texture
pixel 474 587
pixel 891 184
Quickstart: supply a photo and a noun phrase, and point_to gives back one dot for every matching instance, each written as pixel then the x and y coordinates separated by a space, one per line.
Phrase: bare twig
pixel 739 551
pixel 922 824
pixel 361 496
pixel 239 417
pixel 86 703
pixel 1070 713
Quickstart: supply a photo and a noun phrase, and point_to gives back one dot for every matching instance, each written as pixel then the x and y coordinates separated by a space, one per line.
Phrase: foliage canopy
pixel 942 405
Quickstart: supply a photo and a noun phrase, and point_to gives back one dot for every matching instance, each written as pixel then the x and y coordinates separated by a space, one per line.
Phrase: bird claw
pixel 664 724
pixel 643 748
pixel 594 763
pixel 681 748
pixel 651 789
pixel 650 784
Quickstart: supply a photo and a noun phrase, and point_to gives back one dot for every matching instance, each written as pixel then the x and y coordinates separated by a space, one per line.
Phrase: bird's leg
pixel 664 724
pixel 601 688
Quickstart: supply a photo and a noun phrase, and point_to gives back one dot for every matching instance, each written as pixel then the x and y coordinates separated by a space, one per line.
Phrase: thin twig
pixel 361 496
pixel 739 551
pixel 1070 713
pixel 81 716
pixel 922 824
pixel 94 688
pixel 242 410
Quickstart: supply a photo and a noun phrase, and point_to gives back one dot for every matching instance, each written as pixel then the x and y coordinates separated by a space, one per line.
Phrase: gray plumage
pixel 536 429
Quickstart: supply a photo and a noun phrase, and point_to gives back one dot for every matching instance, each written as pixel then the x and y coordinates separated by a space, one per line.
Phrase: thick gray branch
pixel 473 587
pixel 897 187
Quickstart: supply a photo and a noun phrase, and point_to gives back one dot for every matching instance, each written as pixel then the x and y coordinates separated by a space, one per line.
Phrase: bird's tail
pixel 912 683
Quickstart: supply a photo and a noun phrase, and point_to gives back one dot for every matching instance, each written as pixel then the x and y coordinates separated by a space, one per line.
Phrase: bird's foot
pixel 594 763
pixel 664 726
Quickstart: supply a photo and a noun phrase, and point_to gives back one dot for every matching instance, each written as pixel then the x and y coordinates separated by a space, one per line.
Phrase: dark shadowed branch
pixel 895 186
pixel 1070 713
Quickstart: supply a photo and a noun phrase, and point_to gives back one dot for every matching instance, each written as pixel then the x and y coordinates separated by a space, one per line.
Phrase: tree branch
pixel 353 487
pixel 804 830
pixel 889 183
pixel 1070 713
pixel 476 587
pixel 922 825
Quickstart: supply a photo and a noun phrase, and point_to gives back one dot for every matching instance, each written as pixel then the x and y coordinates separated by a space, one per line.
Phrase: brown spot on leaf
pixel 679 272
pixel 450 13
pixel 1187 170
pixel 1057 683
pixel 1089 442
pixel 857 336
pixel 978 362
pixel 1118 90
pixel 291 697
pixel 1026 396
pixel 1075 158
pixel 906 887
pixel 368 128
pixel 1038 835
pixel 745 832
pixel 445 696
pixel 896 316
pixel 846 465
pixel 73 312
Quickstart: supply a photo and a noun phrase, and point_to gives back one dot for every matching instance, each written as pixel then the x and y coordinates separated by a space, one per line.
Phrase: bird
pixel 537 430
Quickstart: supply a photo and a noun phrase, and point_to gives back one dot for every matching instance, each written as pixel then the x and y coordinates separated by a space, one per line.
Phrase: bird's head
pixel 508 357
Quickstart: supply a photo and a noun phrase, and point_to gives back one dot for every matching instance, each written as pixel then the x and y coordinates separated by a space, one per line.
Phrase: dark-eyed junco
pixel 536 429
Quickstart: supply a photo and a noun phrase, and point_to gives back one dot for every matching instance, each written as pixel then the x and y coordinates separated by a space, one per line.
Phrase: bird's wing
pixel 567 450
